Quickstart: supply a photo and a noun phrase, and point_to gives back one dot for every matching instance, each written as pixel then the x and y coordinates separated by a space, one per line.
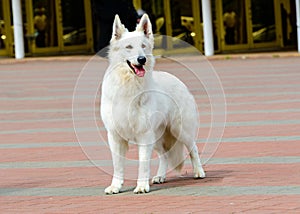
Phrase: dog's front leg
pixel 118 148
pixel 145 152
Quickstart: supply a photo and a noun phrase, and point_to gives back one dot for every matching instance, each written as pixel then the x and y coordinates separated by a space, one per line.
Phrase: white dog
pixel 153 109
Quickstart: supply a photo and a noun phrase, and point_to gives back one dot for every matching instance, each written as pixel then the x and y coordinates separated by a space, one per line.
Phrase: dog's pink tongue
pixel 140 71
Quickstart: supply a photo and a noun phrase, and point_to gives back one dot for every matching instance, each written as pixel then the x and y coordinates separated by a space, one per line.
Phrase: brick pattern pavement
pixel 256 168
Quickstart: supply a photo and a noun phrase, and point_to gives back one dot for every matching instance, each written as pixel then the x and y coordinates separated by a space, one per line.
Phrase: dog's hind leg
pixel 193 151
pixel 198 170
pixel 118 148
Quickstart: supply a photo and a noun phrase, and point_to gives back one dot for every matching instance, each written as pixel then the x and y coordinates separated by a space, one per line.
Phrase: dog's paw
pixel 112 190
pixel 158 179
pixel 199 173
pixel 141 189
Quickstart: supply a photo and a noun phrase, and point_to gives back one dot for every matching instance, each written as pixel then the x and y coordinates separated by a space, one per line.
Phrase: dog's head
pixel 132 49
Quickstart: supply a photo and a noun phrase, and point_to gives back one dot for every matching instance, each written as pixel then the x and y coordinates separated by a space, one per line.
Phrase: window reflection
pixel 45 23
pixel 234 21
pixel 2 28
pixel 263 21
pixel 74 31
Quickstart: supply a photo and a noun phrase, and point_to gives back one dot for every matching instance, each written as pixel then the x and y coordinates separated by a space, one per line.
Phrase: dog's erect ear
pixel 145 26
pixel 118 28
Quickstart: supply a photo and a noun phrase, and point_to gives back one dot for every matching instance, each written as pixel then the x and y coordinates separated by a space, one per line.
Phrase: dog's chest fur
pixel 127 107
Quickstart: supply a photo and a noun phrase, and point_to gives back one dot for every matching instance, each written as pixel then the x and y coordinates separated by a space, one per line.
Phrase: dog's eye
pixel 143 46
pixel 129 47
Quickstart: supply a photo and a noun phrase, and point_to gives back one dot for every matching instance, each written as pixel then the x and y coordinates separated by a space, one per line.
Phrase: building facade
pixel 67 26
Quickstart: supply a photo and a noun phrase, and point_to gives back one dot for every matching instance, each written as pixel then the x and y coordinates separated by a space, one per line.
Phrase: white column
pixel 18 29
pixel 207 28
pixel 298 22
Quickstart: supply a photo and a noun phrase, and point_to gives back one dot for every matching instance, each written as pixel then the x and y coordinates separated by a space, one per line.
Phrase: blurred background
pixel 60 27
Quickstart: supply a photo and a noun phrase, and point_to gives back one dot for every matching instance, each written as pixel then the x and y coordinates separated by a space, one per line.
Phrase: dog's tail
pixel 175 151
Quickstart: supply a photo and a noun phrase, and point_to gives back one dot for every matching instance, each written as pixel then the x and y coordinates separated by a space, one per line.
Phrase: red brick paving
pixel 217 175
pixel 152 204
pixel 36 102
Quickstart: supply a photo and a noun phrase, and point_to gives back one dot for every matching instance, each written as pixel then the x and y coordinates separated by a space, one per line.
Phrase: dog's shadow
pixel 212 177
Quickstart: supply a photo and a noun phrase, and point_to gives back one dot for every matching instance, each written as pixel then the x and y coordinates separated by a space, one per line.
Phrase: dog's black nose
pixel 141 60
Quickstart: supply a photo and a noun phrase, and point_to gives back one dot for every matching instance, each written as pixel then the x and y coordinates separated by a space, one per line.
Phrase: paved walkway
pixel 256 169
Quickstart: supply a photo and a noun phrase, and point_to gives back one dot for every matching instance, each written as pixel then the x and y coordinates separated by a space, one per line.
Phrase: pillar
pixel 207 28
pixel 298 22
pixel 18 29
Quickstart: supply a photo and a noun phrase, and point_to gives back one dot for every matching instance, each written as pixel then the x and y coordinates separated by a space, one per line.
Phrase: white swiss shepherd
pixel 153 109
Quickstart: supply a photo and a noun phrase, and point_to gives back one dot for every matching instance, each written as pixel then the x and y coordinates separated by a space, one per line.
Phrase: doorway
pixel 180 20
pixel 59 26
pixel 248 24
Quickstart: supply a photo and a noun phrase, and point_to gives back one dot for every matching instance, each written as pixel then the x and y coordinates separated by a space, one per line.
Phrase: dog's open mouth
pixel 137 69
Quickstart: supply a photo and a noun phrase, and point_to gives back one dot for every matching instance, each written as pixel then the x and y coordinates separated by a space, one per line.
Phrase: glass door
pixel 3 34
pixel 59 25
pixel 76 25
pixel 180 20
pixel 234 20
pixel 42 29
pixel 6 31
pixel 45 23
pixel 247 24
pixel 265 27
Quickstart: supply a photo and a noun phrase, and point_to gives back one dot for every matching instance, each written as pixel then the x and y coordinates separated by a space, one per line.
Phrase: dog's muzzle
pixel 139 68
